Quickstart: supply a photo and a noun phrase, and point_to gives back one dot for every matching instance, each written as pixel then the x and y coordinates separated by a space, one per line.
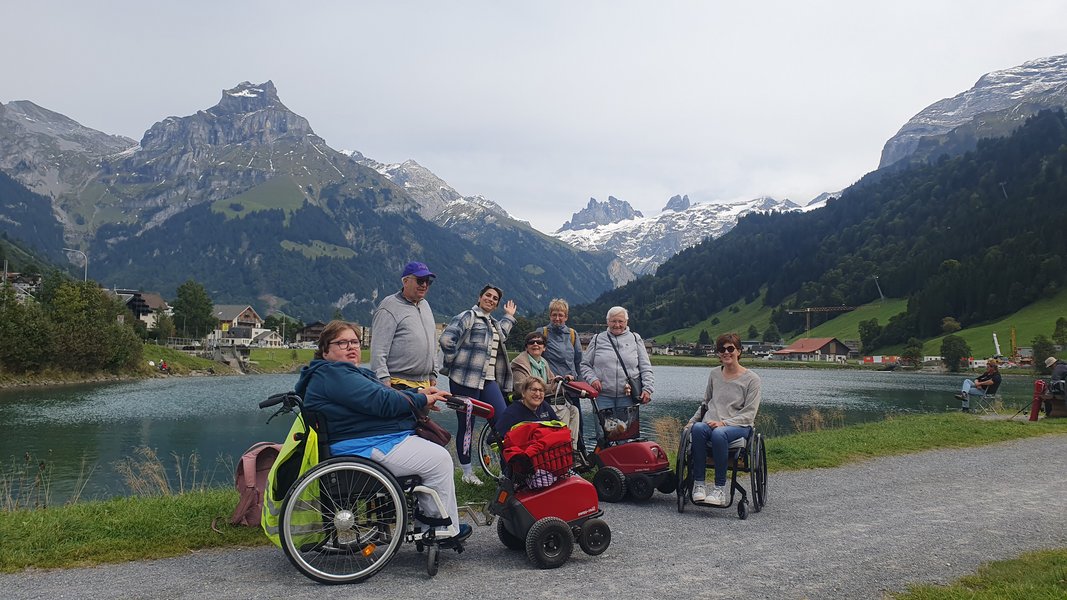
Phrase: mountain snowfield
pixel 644 243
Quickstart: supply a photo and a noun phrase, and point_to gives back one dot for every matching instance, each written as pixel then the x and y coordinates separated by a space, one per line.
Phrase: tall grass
pixel 146 475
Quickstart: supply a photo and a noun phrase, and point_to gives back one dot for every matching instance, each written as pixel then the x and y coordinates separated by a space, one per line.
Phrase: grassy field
pixel 1038 318
pixel 154 527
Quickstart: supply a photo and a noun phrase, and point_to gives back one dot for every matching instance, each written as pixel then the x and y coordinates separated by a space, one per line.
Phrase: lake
pixel 81 432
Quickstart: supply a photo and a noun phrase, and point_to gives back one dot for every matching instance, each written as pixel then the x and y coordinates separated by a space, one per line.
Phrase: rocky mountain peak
pixel 998 102
pixel 678 203
pixel 248 97
pixel 246 114
pixel 598 213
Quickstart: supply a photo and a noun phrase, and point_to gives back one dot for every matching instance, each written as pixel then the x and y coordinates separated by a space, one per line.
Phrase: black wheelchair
pixel 345 518
pixel 746 455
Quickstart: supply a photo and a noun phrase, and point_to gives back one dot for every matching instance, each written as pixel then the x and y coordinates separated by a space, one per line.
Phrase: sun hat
pixel 1050 361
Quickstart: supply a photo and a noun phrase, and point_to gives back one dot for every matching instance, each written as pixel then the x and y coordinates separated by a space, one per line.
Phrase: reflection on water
pixel 218 417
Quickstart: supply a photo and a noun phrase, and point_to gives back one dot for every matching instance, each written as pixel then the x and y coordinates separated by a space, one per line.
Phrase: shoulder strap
pixel 621 361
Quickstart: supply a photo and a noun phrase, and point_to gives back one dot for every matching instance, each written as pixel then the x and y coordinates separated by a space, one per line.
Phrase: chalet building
pixel 814 349
pixel 310 332
pixel 238 325
pixel 145 306
pixel 25 285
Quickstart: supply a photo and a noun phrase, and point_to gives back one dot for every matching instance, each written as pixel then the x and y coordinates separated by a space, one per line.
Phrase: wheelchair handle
pixel 273 400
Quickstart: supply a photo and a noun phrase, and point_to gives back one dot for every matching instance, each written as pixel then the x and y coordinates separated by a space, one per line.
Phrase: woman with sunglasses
pixel 726 414
pixel 474 356
pixel 531 363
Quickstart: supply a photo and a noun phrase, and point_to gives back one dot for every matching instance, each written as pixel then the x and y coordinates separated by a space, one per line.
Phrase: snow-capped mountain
pixel 644 243
pixel 998 103
pixel 439 202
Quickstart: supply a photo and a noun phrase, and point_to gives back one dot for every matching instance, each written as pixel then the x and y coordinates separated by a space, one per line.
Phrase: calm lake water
pixel 88 429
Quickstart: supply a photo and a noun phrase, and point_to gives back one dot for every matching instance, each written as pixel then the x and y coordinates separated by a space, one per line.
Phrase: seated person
pixel 530 407
pixel 1059 374
pixel 529 428
pixel 727 413
pixel 369 419
pixel 532 363
pixel 986 384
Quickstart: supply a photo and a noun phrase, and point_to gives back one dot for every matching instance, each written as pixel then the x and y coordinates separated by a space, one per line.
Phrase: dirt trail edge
pixel 851 532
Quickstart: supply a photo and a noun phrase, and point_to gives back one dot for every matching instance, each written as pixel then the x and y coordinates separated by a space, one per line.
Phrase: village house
pixel 145 306
pixel 240 325
pixel 814 349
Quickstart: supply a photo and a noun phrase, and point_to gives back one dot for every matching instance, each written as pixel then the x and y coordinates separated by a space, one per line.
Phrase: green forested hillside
pixel 975 238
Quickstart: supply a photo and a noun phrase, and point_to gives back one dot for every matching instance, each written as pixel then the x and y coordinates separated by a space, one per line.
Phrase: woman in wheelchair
pixel 530 407
pixel 369 419
pixel 726 414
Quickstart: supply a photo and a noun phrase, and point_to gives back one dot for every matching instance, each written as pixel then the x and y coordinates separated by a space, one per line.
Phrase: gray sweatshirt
pixel 599 362
pixel 403 340
pixel 734 402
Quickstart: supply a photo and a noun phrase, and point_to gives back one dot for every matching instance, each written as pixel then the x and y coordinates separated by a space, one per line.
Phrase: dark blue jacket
pixel 354 402
pixel 518 413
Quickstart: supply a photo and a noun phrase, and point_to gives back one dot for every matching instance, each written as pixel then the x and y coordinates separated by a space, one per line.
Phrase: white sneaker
pixel 472 479
pixel 699 492
pixel 717 496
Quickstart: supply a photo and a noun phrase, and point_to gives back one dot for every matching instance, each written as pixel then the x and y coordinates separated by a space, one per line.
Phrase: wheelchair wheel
pixel 595 537
pixel 742 510
pixel 488 452
pixel 669 483
pixel 433 559
pixel 610 484
pixel 758 472
pixel 510 541
pixel 343 521
pixel 549 543
pixel 640 486
pixel 681 470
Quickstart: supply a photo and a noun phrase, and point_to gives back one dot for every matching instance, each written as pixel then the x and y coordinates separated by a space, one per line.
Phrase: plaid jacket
pixel 466 363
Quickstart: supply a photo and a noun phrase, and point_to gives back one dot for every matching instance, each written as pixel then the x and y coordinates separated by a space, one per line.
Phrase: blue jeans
pixel 491 394
pixel 718 440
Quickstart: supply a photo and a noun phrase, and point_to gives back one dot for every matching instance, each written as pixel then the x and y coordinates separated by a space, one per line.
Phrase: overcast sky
pixel 541 105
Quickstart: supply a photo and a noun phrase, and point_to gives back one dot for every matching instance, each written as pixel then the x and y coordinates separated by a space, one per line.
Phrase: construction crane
pixel 811 309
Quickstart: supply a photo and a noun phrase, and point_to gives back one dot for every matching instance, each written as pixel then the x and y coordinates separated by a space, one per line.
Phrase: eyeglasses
pixel 727 350
pixel 535 343
pixel 536 391
pixel 427 281
pixel 344 344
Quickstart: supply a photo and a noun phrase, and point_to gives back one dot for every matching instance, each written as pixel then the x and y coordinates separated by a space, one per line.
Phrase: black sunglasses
pixel 726 350
pixel 427 281
pixel 535 342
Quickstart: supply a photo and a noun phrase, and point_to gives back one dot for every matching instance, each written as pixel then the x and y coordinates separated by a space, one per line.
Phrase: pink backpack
pixel 251 481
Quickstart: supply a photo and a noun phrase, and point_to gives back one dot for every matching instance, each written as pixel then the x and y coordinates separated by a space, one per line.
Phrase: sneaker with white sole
pixel 472 479
pixel 717 496
pixel 699 492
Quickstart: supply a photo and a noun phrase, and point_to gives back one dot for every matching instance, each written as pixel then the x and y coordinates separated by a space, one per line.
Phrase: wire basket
pixel 546 467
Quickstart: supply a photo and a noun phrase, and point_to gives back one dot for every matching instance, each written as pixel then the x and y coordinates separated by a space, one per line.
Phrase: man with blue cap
pixel 403 334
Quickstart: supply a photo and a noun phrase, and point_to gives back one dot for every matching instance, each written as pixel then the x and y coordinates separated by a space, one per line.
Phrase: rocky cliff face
pixel 997 104
pixel 53 155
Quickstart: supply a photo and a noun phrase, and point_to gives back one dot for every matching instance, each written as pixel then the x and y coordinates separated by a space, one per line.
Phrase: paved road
pixel 851 532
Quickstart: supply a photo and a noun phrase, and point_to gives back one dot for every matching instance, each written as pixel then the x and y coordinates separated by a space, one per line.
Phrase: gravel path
pixel 852 532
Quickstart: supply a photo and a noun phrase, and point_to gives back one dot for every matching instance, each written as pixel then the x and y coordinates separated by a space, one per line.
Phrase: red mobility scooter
pixel 542 507
pixel 625 462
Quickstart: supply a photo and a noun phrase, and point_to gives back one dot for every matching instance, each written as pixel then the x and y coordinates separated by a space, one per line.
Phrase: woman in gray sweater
pixel 726 414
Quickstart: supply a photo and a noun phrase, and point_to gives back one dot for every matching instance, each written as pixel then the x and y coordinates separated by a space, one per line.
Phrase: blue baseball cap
pixel 417 269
